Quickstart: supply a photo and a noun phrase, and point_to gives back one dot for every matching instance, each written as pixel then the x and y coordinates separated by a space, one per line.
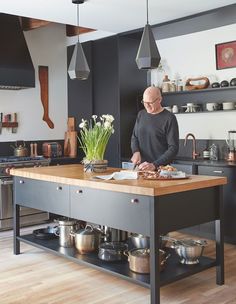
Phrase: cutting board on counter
pixel 71 140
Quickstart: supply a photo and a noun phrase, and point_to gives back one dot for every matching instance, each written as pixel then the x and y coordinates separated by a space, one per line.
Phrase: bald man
pixel 155 138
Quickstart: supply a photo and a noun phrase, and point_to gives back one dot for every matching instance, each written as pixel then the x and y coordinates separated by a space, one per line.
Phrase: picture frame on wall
pixel 225 55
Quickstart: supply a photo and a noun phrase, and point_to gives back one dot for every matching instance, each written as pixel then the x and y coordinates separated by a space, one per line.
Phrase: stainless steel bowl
pixel 189 250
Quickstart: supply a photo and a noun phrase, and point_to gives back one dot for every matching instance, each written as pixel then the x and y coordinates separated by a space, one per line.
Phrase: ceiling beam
pixel 28 24
pixel 72 30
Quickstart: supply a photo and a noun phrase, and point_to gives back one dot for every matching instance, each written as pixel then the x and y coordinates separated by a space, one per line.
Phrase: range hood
pixel 16 66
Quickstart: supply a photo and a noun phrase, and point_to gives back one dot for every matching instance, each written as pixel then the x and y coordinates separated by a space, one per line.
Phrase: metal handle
pixel 79 191
pixel 21 181
pixel 218 171
pixel 134 201
pixel 7 182
pixel 59 188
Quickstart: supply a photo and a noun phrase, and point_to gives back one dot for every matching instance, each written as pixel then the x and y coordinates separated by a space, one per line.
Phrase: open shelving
pixel 172 272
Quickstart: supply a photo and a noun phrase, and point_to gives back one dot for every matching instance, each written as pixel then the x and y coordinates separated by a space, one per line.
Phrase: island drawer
pixel 42 195
pixel 122 211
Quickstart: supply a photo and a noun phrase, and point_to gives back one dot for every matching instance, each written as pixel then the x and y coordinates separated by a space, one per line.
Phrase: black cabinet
pixel 113 88
pixel 229 196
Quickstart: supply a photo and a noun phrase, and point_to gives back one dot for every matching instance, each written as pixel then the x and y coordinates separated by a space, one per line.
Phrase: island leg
pixel 219 231
pixel 154 254
pixel 16 228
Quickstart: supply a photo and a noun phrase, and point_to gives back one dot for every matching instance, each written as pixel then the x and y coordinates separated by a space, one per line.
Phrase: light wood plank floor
pixel 37 277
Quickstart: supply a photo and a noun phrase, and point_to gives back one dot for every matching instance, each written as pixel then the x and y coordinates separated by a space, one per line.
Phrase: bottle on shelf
pixel 165 84
pixel 172 86
pixel 180 85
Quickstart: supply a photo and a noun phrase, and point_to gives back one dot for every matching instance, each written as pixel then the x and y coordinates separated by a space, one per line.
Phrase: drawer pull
pixel 21 181
pixel 218 171
pixel 134 201
pixel 59 188
pixel 79 191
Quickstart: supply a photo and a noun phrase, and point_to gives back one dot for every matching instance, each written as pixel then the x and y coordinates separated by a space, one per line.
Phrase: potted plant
pixel 93 139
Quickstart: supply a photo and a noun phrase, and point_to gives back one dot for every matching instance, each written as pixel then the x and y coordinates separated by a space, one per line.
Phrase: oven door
pixel 6 197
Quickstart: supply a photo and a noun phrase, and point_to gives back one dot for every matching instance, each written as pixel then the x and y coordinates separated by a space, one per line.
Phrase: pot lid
pixel 142 252
pixel 114 246
pixel 66 222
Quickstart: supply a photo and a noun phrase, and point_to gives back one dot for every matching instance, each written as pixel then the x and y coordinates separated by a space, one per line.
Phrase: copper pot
pixel 139 260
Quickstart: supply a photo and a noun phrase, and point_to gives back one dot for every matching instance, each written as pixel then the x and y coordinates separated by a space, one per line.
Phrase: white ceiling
pixel 110 16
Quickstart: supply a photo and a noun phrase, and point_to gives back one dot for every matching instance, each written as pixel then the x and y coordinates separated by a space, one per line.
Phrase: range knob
pixel 7 170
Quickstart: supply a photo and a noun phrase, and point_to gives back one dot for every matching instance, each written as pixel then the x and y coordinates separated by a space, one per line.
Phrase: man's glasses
pixel 149 103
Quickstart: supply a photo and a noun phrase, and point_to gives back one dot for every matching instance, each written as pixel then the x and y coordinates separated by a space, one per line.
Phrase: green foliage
pixel 94 136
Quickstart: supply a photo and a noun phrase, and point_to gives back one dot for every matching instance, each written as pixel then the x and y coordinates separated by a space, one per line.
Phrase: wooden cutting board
pixel 70 144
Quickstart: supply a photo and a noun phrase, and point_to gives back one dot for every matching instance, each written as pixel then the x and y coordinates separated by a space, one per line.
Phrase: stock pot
pixel 87 239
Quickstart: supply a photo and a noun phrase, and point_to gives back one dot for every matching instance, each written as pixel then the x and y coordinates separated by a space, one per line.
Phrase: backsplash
pixel 202 144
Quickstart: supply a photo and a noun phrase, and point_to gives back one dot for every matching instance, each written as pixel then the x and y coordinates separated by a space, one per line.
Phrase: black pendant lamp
pixel 78 68
pixel 148 56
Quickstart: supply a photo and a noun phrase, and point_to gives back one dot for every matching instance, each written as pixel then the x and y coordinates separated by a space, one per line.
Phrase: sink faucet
pixel 194 153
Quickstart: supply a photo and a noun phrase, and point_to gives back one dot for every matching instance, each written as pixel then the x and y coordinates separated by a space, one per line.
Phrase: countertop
pixel 203 162
pixel 74 175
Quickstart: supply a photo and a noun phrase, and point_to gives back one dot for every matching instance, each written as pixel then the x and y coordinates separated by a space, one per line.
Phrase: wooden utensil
pixel 70 143
pixel 43 79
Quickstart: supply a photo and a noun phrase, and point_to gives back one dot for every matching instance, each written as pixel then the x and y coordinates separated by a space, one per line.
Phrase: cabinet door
pixel 229 197
pixel 122 211
pixel 46 196
pixel 184 167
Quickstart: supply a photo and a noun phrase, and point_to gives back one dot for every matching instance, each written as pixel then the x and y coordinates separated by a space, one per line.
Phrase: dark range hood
pixel 16 66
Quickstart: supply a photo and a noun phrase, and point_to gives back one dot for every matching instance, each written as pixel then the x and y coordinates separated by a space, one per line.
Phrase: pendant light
pixel 78 68
pixel 148 56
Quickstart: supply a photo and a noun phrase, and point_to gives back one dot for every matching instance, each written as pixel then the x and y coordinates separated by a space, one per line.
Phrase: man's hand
pixel 147 166
pixel 136 158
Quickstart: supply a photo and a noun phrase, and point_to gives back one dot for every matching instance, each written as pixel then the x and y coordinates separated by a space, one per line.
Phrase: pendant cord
pixel 147 12
pixel 78 18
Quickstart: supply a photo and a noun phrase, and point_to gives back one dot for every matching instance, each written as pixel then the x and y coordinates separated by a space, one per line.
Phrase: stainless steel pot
pixel 141 241
pixel 112 251
pixel 65 227
pixel 20 149
pixel 87 239
pixel 114 235
pixel 139 260
pixel 189 250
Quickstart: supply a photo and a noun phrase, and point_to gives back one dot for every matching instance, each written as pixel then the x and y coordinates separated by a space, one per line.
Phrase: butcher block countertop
pixel 74 175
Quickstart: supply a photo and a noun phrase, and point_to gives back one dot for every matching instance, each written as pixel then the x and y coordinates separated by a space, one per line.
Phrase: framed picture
pixel 225 55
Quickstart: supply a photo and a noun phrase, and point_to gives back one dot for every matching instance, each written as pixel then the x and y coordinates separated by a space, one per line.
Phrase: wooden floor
pixel 37 277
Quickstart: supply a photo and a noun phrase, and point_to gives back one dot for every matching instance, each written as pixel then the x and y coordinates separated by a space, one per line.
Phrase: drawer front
pixel 118 210
pixel 46 196
pixel 214 171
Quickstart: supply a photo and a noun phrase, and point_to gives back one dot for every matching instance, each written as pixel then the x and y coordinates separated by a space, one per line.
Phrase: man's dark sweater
pixel 156 137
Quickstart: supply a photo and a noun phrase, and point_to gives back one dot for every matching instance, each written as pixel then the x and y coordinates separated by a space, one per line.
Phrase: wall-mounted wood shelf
pixel 9 124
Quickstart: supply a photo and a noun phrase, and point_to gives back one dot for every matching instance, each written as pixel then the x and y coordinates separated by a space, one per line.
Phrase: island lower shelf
pixel 173 271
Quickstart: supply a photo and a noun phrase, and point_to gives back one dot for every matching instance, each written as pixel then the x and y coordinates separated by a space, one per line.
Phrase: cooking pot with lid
pixel 65 227
pixel 112 251
pixel 20 149
pixel 87 239
pixel 139 260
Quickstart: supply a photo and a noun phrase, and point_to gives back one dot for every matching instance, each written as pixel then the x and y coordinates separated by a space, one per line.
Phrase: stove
pixel 8 162
pixel 29 216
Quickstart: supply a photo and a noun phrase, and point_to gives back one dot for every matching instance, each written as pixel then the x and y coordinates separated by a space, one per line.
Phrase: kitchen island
pixel 148 207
